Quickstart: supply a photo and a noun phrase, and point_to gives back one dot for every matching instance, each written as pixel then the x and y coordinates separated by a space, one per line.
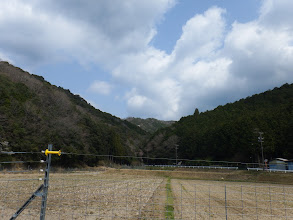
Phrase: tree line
pixel 230 132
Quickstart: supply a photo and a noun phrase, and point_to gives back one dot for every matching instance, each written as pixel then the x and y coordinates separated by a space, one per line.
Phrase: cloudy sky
pixel 152 58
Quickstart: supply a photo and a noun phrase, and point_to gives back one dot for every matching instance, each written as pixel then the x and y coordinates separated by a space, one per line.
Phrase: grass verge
pixel 169 208
pixel 219 175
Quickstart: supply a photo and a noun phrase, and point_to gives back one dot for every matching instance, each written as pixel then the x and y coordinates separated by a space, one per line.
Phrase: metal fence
pixel 270 170
pixel 14 192
pixel 195 167
pixel 107 195
pixel 23 182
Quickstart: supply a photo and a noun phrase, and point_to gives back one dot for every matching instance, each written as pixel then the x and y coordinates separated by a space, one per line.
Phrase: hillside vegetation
pixel 231 132
pixel 150 125
pixel 34 113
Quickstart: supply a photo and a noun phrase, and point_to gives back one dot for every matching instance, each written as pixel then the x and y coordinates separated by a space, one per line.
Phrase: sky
pixel 152 58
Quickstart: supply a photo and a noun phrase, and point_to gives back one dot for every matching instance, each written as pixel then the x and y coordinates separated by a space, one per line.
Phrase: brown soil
pixel 141 194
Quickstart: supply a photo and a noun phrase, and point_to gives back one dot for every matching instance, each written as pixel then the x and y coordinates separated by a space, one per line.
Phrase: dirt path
pixel 155 206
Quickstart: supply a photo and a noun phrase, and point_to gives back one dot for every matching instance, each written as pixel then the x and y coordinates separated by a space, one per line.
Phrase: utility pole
pixel 260 139
pixel 176 148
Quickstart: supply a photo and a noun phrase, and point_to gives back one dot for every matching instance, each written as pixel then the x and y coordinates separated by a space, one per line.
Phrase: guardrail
pixel 270 170
pixel 220 167
pixel 198 167
pixel 277 170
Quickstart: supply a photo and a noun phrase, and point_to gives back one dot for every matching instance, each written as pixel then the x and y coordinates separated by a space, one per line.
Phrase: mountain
pixel 34 113
pixel 150 125
pixel 231 132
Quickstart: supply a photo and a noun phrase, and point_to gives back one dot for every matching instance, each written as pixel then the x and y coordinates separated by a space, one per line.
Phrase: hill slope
pixel 34 113
pixel 230 132
pixel 150 125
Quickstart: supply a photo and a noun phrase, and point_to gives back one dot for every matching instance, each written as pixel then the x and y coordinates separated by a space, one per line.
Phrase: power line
pixel 13 152
pixel 126 156
pixel 14 162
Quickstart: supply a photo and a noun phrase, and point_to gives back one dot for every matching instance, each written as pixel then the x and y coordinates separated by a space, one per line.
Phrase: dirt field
pixel 135 194
pixel 215 200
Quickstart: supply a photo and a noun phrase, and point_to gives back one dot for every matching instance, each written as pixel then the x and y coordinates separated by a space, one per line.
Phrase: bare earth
pixel 119 194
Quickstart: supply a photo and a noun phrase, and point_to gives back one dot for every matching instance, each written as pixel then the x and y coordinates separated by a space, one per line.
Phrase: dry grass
pixel 218 175
pixel 142 194
pixel 206 200
pixel 96 195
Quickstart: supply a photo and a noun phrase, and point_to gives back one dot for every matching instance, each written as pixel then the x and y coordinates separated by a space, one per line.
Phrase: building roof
pixel 282 159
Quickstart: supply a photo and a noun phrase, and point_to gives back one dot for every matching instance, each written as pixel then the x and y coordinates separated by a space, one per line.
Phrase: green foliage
pixel 34 113
pixel 150 125
pixel 169 213
pixel 196 112
pixel 230 132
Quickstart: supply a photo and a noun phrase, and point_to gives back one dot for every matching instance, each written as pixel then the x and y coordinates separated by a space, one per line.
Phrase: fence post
pixel 256 203
pixel 270 201
pixel 46 184
pixel 181 200
pixel 195 201
pixel 226 202
pixel 242 203
pixel 33 196
pixel 139 216
pixel 209 201
pixel 285 201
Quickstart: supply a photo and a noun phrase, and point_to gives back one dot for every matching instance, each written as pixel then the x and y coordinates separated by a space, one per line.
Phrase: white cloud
pixel 209 64
pixel 100 87
pixel 277 14
pixel 137 101
pixel 261 54
pixel 32 36
pixel 4 58
pixel 166 81
pixel 88 31
pixel 201 36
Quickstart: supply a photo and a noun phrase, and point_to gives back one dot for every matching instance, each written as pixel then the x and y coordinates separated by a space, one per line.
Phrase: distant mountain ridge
pixel 150 125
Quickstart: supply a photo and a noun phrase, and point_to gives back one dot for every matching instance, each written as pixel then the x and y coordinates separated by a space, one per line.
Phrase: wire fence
pixel 105 194
pixel 14 192
pixel 109 195
pixel 140 160
pixel 148 162
pixel 41 191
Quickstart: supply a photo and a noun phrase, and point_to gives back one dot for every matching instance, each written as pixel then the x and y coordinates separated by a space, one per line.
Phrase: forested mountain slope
pixel 230 132
pixel 34 113
pixel 150 125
